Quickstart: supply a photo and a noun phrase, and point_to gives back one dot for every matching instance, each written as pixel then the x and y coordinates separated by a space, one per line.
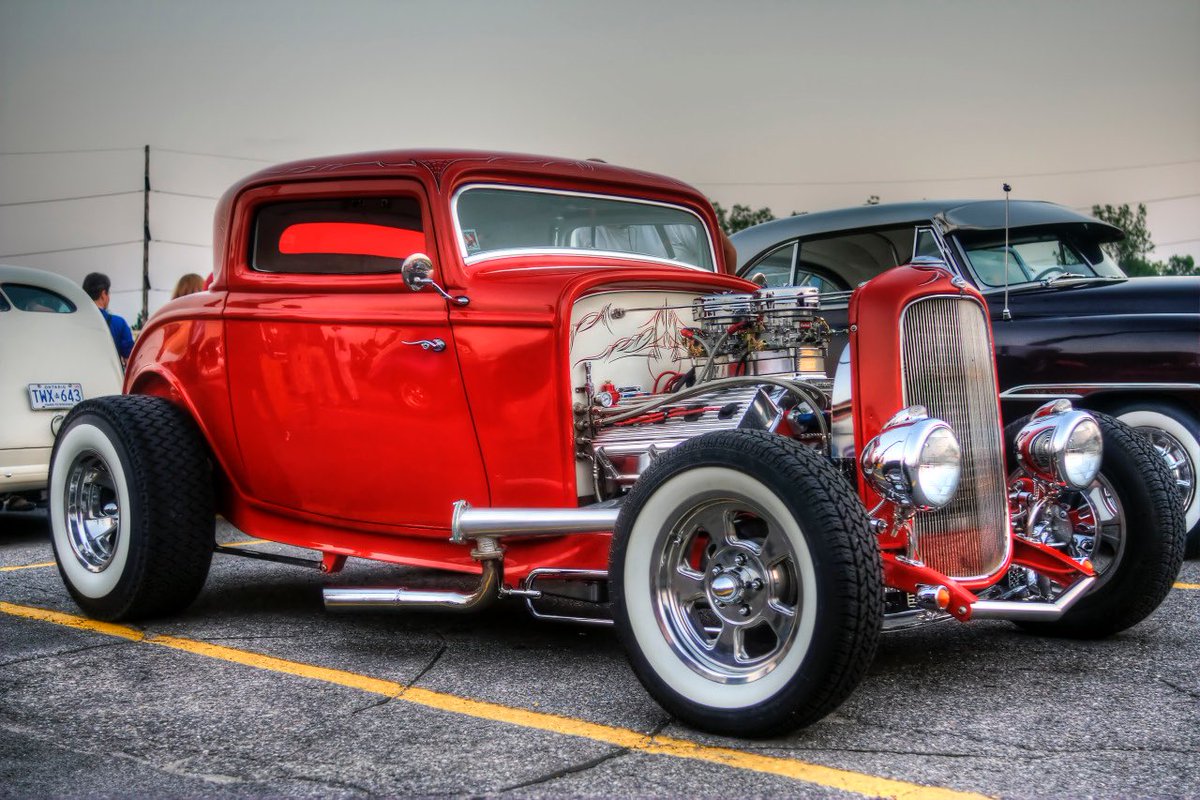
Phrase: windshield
pixel 1044 256
pixel 493 220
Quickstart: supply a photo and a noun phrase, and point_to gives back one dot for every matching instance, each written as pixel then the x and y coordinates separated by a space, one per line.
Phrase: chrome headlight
pixel 1060 445
pixel 915 461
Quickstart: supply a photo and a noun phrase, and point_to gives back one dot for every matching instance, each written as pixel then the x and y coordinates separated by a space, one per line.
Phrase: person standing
pixel 97 284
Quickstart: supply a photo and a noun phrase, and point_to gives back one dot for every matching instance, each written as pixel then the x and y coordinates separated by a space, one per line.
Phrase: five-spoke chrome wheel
pixel 728 590
pixel 93 511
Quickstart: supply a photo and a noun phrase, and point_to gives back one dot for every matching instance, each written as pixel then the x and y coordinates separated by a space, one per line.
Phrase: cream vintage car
pixel 56 351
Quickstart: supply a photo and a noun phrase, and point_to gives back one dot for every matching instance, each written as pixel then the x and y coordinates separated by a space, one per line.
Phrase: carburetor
pixel 767 322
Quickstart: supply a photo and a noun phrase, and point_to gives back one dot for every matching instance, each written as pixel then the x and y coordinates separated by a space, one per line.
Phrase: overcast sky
pixel 793 105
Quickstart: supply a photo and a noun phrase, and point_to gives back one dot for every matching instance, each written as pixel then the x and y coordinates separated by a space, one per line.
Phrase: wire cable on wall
pixel 950 180
pixel 70 249
pixel 214 155
pixel 65 152
pixel 68 199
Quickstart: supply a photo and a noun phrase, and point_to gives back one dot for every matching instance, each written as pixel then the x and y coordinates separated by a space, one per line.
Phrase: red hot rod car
pixel 534 370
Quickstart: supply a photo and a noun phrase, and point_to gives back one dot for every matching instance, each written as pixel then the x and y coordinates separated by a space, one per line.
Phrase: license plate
pixel 54 395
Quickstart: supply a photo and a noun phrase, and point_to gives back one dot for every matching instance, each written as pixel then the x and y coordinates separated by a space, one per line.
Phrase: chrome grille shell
pixel 947 366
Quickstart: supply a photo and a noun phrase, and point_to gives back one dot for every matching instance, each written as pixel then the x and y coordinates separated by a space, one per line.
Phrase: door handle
pixel 434 345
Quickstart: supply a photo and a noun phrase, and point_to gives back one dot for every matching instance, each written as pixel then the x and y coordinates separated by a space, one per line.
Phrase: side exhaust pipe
pixel 1032 612
pixel 483 526
pixel 495 523
pixel 397 598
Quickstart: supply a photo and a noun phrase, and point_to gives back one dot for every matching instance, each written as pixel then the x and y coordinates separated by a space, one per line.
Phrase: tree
pixel 1180 265
pixel 740 217
pixel 1131 253
pixel 1136 244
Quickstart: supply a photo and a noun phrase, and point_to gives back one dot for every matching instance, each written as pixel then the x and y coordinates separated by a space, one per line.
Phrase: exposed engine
pixel 751 361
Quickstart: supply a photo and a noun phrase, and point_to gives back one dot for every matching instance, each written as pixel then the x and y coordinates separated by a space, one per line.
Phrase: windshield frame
pixel 1063 235
pixel 488 255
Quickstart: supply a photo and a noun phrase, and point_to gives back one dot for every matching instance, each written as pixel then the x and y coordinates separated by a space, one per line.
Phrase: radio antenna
pixel 1006 314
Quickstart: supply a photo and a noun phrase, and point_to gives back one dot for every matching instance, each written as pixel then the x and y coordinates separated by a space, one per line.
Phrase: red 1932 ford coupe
pixel 535 370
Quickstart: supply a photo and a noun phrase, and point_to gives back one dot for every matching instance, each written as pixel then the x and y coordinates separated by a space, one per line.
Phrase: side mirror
pixel 416 270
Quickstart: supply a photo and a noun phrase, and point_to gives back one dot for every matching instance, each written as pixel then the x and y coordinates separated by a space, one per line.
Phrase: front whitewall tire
pixel 746 584
pixel 648 530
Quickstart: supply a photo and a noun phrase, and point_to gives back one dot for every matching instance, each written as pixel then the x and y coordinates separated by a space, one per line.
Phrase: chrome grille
pixel 947 367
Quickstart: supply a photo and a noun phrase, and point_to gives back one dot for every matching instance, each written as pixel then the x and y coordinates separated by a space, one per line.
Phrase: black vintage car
pixel 1067 321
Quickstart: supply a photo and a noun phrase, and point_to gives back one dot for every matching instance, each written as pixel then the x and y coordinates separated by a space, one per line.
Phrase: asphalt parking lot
pixel 257 691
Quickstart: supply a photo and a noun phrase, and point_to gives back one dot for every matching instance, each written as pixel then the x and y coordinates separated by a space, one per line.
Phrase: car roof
pixel 10 273
pixel 439 163
pixel 955 215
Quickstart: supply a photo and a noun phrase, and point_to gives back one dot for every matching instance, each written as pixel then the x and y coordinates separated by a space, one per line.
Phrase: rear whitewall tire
pixel 142 462
pixel 75 443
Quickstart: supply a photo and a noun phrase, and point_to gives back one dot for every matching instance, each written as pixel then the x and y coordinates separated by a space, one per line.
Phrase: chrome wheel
pixel 1175 456
pixel 93 511
pixel 727 590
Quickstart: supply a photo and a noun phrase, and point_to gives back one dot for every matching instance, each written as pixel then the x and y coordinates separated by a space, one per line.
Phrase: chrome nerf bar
pixel 1032 612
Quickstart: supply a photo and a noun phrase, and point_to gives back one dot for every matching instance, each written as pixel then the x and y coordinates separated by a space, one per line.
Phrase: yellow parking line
pixel 1187 586
pixel 859 783
pixel 38 565
pixel 242 543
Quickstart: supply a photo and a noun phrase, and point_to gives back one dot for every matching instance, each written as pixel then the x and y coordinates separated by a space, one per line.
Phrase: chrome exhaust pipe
pixel 496 523
pixel 397 598
pixel 1032 612
pixel 483 526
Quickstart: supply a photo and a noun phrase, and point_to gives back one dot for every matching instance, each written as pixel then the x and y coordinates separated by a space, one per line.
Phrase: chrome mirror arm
pixel 416 271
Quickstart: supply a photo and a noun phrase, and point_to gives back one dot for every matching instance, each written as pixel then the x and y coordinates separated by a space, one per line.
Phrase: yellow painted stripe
pixel 38 565
pixel 1187 586
pixel 846 780
pixel 72 621
pixel 243 543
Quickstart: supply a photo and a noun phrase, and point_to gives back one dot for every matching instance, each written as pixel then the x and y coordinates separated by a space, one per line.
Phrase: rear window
pixel 344 236
pixel 34 298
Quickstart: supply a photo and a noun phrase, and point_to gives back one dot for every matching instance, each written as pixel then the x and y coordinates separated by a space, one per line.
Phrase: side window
pixel 775 268
pixel 35 298
pixel 926 245
pixel 855 257
pixel 824 284
pixel 4 306
pixel 340 236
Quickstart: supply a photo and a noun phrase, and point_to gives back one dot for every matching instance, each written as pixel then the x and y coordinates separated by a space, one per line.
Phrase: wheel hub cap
pixel 93 511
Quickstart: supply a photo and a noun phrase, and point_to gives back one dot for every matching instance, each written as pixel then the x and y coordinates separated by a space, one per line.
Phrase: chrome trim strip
pixel 469 260
pixel 495 523
pixel 1076 391
pixel 841 414
pixel 1032 612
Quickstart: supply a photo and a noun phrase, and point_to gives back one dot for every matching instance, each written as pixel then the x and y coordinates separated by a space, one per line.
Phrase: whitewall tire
pixel 746 583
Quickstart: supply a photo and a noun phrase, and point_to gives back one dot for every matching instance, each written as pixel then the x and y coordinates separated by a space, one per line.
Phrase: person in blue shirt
pixel 97 284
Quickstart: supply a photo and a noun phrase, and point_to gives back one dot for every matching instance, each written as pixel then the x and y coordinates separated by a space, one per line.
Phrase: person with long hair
pixel 188 284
